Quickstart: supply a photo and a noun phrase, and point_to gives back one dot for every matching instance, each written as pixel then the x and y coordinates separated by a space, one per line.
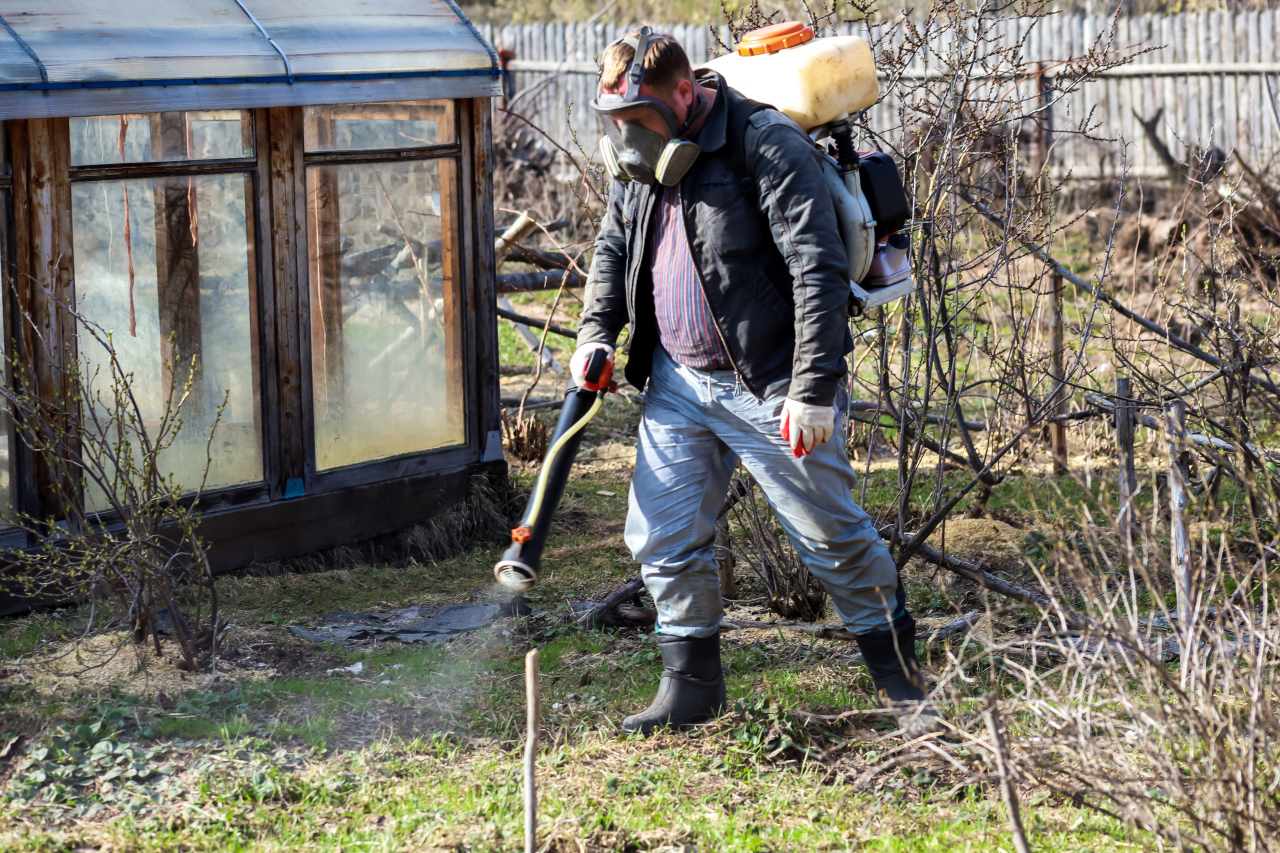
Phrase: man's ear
pixel 683 95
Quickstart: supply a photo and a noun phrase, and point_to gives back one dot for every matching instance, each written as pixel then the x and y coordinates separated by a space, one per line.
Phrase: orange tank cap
pixel 775 38
pixel 521 535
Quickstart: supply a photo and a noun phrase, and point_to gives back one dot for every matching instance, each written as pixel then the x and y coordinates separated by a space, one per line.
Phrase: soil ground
pixel 422 749
pixel 285 749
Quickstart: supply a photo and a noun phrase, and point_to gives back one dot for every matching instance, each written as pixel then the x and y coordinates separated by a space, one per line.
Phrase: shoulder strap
pixel 739 122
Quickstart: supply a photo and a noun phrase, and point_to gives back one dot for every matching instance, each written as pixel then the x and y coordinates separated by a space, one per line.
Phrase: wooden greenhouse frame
pixel 294 78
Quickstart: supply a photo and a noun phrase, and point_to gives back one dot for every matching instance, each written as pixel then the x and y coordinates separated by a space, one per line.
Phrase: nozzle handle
pixel 599 371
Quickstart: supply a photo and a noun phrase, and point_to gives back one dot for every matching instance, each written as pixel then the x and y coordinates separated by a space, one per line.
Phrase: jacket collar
pixel 712 135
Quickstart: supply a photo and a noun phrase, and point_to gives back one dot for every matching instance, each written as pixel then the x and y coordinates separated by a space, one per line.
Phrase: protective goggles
pixel 633 152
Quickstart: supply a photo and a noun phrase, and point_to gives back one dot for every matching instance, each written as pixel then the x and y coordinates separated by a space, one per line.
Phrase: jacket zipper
pixel 714 321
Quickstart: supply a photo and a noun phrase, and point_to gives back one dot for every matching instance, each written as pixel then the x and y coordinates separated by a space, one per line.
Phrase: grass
pixel 422 750
pixel 281 782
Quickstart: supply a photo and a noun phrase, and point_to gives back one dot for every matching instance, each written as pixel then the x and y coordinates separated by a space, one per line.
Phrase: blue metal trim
pixel 227 81
pixel 44 75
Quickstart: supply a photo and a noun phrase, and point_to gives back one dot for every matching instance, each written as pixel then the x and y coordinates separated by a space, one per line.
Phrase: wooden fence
pixel 1216 74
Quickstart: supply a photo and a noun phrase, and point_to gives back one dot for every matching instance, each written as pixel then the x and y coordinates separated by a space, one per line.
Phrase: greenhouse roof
pixel 79 57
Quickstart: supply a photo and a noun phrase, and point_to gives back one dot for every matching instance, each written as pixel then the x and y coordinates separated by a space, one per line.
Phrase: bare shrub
pixel 1120 706
pixel 117 530
pixel 757 540
pixel 525 437
pixel 1140 679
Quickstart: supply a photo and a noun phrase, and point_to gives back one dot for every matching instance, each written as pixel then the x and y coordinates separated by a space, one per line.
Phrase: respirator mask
pixel 632 152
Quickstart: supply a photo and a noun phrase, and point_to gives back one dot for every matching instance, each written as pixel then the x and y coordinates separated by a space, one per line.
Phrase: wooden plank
pixel 1205 103
pixel 324 267
pixel 1248 32
pixel 1268 137
pixel 48 212
pixel 18 330
pixel 478 175
pixel 1224 111
pixel 1118 113
pixel 257 533
pixel 262 261
pixel 1145 94
pixel 177 262
pixel 456 333
pixel 315 522
pixel 1169 85
pixel 288 242
pixel 1265 141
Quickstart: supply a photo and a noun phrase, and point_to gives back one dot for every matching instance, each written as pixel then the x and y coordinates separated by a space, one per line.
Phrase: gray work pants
pixel 696 426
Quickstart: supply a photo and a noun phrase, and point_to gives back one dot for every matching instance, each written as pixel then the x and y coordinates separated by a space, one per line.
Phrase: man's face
pixel 678 99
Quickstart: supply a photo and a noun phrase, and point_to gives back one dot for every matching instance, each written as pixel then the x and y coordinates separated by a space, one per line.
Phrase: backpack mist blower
pixel 519 567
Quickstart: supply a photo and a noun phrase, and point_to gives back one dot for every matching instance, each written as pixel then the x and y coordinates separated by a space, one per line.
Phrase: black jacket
pixel 763 233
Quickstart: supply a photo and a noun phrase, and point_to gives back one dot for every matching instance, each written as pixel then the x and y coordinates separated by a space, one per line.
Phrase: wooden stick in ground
pixel 1128 473
pixel 531 753
pixel 1000 751
pixel 1180 544
pixel 1058 372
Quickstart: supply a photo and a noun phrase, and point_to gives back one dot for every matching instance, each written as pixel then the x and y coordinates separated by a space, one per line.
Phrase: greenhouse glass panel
pixel 385 328
pixel 161 137
pixel 373 127
pixel 166 266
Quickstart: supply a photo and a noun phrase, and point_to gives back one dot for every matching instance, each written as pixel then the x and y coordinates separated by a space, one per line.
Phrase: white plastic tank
pixel 813 80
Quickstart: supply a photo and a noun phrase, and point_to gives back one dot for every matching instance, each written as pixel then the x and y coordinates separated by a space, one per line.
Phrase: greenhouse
pixel 281 210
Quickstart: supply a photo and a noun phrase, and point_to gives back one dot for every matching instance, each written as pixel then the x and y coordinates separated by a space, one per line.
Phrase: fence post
pixel 1058 373
pixel 1045 84
pixel 1127 474
pixel 1180 545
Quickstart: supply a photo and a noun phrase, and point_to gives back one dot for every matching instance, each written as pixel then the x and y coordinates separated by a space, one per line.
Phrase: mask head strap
pixel 696 109
pixel 635 72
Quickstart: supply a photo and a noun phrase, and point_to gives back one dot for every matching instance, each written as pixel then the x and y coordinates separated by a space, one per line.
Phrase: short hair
pixel 665 63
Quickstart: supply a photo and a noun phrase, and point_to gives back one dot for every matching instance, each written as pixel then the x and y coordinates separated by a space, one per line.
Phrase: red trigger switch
pixel 599 373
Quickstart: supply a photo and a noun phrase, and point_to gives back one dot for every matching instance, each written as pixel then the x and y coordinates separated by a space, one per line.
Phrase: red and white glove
pixel 582 357
pixel 805 426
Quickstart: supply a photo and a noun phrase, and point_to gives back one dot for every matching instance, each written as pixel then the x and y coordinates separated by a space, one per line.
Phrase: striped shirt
pixel 685 325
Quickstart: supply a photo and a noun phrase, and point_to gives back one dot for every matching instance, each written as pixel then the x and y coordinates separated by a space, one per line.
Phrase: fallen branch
pixel 535 323
pixel 540 259
pixel 601 611
pixel 986 580
pixel 536 345
pixel 822 632
pixel 524 282
pixel 558 225
pixel 512 402
pixel 512 236
pixel 958 625
pixel 859 713
pixel 1194 437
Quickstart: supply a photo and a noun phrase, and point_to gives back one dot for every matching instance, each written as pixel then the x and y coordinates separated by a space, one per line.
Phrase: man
pixel 723 254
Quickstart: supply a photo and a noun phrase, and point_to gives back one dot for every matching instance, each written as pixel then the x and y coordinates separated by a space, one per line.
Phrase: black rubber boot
pixel 692 686
pixel 890 655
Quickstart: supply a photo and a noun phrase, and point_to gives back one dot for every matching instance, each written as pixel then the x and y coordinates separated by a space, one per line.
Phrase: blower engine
pixel 520 566
pixel 818 82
